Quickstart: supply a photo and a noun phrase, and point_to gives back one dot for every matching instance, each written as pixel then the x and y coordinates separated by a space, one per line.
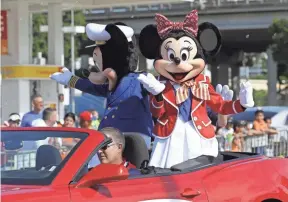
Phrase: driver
pixel 113 152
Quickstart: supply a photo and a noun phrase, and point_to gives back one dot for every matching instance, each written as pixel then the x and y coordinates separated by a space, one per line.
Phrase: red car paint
pixel 251 179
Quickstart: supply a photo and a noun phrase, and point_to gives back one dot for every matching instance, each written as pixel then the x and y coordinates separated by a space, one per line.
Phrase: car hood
pixel 15 189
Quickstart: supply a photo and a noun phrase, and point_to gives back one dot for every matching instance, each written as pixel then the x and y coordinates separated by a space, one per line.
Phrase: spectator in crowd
pixel 28 118
pixel 69 120
pixel 239 134
pixel 276 147
pixel 228 129
pixel 249 131
pixel 49 119
pixel 261 126
pixel 95 119
pixel 14 120
pixel 225 136
pixel 236 144
pixel 85 120
pixel 271 130
pixel 68 143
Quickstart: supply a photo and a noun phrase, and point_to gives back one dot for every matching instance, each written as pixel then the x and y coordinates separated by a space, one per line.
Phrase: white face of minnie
pixel 179 63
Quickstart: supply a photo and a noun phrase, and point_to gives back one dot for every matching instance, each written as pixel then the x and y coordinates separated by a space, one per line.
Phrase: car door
pixel 172 188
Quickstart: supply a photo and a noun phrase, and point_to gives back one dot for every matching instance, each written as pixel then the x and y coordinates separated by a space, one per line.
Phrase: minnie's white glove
pixel 151 84
pixel 246 94
pixel 225 92
pixel 62 77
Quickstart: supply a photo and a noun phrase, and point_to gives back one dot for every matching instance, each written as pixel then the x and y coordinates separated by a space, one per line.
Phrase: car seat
pixel 47 155
pixel 136 151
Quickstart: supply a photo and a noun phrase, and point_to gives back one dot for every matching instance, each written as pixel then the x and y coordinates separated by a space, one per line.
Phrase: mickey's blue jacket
pixel 127 107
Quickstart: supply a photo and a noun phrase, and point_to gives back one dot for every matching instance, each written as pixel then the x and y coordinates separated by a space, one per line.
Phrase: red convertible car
pixel 32 170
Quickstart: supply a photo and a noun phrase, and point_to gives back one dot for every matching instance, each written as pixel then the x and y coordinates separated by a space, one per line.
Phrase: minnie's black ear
pixel 209 38
pixel 149 42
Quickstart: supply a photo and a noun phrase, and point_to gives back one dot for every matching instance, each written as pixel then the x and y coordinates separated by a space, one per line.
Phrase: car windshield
pixel 35 157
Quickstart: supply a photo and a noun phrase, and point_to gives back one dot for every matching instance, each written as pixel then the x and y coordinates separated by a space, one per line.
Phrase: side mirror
pixel 103 173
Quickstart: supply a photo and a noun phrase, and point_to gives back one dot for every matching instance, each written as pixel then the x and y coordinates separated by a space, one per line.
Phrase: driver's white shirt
pixel 41 123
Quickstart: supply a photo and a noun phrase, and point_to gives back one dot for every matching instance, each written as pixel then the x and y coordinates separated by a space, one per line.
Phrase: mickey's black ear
pixel 120 23
pixel 115 33
pixel 149 42
pixel 117 37
pixel 209 38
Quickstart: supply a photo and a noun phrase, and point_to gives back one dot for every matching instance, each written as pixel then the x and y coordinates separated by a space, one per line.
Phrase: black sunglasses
pixel 109 145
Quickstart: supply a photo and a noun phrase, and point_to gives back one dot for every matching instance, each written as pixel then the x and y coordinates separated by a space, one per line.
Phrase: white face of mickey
pixel 179 63
pixel 97 57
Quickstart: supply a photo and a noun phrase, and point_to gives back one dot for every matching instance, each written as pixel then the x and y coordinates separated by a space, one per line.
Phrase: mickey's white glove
pixel 151 84
pixel 225 92
pixel 246 94
pixel 62 77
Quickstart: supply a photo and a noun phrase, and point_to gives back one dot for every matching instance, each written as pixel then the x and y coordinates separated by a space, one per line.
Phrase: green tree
pixel 79 20
pixel 279 46
pixel 260 97
pixel 40 39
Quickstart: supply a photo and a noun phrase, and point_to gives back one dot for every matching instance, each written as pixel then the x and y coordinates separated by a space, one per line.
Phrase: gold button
pixel 116 108
pixel 113 116
pixel 109 108
pixel 199 127
pixel 195 118
pixel 105 117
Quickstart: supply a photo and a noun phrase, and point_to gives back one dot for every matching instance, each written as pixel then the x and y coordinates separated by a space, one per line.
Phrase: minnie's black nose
pixel 177 60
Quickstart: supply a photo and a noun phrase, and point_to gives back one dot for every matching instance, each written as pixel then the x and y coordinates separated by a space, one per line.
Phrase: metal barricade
pixel 269 145
pixel 16 160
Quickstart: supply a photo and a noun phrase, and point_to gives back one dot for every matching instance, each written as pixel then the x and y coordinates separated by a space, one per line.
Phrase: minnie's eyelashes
pixel 189 48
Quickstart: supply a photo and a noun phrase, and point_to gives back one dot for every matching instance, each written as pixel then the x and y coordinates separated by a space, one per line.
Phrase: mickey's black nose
pixel 177 60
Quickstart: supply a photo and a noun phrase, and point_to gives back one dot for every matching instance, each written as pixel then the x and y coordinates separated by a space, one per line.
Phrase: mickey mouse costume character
pixel 127 105
pixel 180 95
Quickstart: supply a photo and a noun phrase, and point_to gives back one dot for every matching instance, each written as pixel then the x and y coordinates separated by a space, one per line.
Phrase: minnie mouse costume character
pixel 179 97
pixel 127 105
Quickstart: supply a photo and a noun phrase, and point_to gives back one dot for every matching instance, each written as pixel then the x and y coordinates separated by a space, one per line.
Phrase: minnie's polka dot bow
pixel 190 24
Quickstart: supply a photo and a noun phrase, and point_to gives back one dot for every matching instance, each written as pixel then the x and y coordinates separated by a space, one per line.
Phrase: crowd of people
pixel 242 136
pixel 48 117
pixel 40 117
pixel 234 136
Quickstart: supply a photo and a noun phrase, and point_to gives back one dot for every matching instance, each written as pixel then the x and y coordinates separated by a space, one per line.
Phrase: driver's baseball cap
pixel 85 116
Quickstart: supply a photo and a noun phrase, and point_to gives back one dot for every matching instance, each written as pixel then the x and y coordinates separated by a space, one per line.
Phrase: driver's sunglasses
pixel 109 145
